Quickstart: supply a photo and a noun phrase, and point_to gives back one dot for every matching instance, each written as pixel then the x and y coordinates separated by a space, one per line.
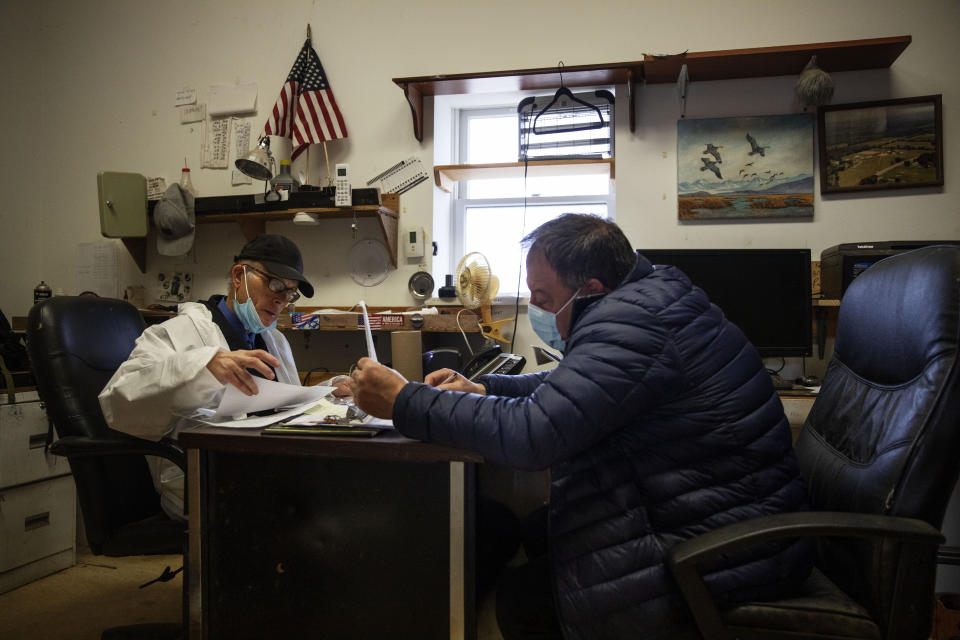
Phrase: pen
pixel 449 378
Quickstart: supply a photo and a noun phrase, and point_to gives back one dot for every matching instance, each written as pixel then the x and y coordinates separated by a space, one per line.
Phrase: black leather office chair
pixel 879 452
pixel 75 345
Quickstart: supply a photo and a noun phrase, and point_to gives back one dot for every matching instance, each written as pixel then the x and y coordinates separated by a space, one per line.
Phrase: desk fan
pixel 476 286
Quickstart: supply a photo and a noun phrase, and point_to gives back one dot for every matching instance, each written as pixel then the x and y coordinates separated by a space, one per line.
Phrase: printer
pixel 840 264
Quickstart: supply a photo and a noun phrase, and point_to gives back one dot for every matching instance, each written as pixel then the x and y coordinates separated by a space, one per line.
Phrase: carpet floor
pixel 98 592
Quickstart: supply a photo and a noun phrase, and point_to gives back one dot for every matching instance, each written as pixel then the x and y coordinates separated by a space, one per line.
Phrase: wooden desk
pixel 299 536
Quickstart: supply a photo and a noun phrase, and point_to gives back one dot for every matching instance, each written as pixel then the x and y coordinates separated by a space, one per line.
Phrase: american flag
pixel 306 112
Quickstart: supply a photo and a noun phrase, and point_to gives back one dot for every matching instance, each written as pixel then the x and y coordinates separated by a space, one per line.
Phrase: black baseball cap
pixel 278 255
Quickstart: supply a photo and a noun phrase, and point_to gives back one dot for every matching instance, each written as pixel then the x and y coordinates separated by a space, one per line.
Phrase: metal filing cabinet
pixel 37 498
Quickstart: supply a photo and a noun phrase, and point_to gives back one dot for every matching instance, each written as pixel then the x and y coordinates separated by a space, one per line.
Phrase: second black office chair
pixel 879 453
pixel 75 345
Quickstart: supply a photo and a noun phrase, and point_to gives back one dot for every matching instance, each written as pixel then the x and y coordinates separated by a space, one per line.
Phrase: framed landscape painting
pixel 889 144
pixel 745 167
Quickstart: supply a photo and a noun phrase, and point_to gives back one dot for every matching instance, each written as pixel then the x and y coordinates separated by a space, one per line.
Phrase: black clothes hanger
pixel 564 92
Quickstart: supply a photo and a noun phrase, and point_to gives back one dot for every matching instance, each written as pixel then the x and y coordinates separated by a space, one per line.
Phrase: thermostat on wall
pixel 413 242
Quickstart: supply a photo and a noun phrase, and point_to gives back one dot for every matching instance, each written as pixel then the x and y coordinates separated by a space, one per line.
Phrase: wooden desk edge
pixel 390 445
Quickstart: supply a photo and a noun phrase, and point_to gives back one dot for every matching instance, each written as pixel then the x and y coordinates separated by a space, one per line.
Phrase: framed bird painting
pixel 745 167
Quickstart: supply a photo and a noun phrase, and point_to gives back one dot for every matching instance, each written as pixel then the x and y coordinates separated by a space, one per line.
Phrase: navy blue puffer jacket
pixel 660 423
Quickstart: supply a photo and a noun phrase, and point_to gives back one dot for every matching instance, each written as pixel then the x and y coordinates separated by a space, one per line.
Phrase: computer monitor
pixel 765 292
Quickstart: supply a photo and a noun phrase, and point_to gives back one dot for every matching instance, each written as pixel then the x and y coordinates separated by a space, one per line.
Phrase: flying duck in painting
pixel 714 150
pixel 755 147
pixel 710 164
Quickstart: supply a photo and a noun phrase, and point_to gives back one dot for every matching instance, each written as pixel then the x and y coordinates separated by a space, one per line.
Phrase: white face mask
pixel 544 323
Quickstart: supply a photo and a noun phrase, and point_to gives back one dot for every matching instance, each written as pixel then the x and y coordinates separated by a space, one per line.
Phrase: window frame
pixel 459 203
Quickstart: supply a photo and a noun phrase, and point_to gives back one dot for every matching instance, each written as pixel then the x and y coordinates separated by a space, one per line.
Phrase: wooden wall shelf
pixel 414 88
pixel 444 322
pixel 846 55
pixel 253 223
pixel 446 175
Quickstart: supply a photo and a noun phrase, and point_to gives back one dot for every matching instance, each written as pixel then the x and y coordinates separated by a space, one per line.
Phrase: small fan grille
pixel 473 280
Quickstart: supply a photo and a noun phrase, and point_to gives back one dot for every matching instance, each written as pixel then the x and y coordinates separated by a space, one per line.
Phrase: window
pixel 492 215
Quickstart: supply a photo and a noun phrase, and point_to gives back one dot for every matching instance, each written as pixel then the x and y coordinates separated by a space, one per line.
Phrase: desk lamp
pixel 258 163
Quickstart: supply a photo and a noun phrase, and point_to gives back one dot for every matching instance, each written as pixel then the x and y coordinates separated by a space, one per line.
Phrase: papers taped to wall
pixel 216 146
pixel 226 99
pixel 155 188
pixel 174 286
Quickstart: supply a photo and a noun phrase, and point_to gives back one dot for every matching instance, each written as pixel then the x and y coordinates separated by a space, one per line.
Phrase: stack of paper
pixel 286 400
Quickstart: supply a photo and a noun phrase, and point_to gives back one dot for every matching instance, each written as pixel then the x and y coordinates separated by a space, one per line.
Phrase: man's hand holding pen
pixel 450 380
pixel 375 387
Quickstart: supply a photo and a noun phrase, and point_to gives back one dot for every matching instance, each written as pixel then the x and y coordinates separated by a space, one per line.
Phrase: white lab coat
pixel 165 380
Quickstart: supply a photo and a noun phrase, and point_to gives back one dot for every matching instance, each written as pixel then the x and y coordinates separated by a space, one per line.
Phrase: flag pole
pixel 327 159
pixel 310 40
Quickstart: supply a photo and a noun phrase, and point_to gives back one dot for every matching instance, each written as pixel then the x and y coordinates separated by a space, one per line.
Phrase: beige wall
pixel 89 86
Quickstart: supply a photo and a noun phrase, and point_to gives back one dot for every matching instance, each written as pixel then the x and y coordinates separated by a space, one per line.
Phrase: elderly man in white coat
pixel 186 362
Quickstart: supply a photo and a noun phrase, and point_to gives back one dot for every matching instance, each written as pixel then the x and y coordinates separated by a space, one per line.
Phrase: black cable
pixel 306 378
pixel 523 228
pixel 166 576
pixel 783 363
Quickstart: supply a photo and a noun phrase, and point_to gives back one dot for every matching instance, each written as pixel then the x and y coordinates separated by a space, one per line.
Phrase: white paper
pixel 241 134
pixel 272 394
pixel 241 138
pixel 238 177
pixel 155 188
pixel 255 422
pixel 226 99
pixel 193 113
pixel 98 269
pixel 371 351
pixel 318 414
pixel 186 95
pixel 216 147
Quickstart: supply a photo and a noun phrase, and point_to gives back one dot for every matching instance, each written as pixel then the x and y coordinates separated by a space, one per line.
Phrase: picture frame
pixel 883 144
pixel 745 167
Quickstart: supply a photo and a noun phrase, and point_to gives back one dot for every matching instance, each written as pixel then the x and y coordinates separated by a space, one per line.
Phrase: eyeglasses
pixel 277 285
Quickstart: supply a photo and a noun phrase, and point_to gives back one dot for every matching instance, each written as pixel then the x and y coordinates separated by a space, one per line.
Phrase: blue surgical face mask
pixel 247 313
pixel 544 323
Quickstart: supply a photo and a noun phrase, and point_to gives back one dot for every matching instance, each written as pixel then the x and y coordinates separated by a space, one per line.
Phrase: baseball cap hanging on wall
pixel 175 222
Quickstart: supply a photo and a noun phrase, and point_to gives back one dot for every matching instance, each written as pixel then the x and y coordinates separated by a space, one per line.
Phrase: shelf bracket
pixel 388 217
pixel 415 98
pixel 137 248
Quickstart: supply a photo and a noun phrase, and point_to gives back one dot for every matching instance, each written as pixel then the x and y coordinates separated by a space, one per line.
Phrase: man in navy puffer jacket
pixel 660 423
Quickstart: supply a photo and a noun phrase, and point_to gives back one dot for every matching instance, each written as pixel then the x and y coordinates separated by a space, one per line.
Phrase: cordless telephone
pixel 344 194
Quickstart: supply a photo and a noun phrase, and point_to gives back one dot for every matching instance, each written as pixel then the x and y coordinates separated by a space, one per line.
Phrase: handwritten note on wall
pixel 185 96
pixel 216 148
pixel 241 134
pixel 98 268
